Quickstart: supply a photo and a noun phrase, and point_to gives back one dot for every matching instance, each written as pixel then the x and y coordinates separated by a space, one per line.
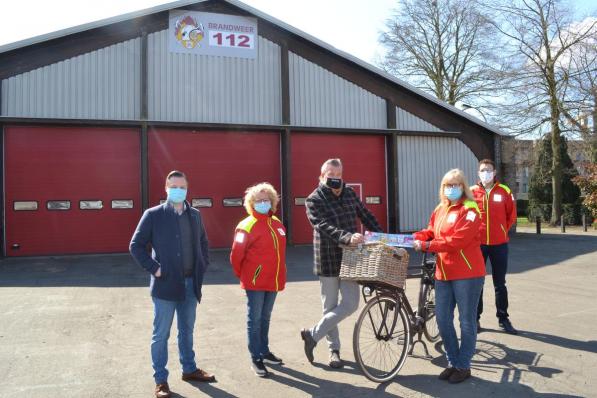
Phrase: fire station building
pixel 93 118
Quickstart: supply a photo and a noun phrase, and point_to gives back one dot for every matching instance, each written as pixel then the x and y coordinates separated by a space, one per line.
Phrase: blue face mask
pixel 453 193
pixel 262 207
pixel 176 195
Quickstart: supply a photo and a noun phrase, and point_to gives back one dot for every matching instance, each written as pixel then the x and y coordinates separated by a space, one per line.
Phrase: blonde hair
pixel 458 175
pixel 252 192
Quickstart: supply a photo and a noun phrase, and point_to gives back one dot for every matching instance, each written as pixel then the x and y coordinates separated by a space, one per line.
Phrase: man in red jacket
pixel 498 214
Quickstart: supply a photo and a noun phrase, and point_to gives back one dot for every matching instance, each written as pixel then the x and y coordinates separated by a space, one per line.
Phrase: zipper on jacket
pixel 503 229
pixel 438 230
pixel 465 259
pixel 441 267
pixel 486 197
pixel 486 203
pixel 256 274
pixel 277 247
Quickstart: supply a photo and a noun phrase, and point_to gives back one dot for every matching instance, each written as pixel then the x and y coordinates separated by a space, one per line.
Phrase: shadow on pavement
pixel 527 252
pixel 530 251
pixel 211 390
pixel 318 387
pixel 507 363
pixel 559 341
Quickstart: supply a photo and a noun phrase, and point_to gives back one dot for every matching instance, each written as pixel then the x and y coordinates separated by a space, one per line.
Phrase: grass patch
pixel 522 222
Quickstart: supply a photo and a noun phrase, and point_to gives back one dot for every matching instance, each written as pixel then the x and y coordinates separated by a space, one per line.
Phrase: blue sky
pixel 350 25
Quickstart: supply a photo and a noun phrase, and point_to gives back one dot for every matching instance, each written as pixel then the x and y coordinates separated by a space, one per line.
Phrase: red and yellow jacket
pixel 498 212
pixel 453 233
pixel 258 254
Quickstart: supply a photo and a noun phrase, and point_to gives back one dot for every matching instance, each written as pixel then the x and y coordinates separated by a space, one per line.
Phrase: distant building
pixel 518 160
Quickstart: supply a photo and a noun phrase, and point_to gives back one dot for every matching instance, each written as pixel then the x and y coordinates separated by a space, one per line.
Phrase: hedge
pixel 572 212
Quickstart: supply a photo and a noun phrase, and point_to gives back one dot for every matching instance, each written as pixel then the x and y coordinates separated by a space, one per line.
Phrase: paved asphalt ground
pixel 80 326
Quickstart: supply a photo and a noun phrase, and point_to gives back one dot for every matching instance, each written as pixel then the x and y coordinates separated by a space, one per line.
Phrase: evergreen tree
pixel 540 184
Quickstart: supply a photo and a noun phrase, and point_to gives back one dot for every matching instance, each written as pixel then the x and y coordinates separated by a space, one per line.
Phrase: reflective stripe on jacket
pixel 258 253
pixel 498 212
pixel 453 232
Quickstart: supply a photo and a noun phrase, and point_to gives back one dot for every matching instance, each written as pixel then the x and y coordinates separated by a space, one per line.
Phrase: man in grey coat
pixel 332 210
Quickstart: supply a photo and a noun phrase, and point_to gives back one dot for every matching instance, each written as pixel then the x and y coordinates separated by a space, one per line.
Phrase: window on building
pixel 26 205
pixel 58 205
pixel 122 204
pixel 91 204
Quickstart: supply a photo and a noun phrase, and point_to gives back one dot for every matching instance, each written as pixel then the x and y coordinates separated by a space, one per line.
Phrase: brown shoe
pixel 162 390
pixel 459 375
pixel 198 375
pixel 446 373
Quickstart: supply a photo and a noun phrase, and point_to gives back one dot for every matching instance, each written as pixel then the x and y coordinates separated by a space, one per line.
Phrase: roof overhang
pixel 264 16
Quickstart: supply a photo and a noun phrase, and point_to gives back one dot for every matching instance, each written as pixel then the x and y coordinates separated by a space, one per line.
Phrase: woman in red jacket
pixel 453 233
pixel 258 258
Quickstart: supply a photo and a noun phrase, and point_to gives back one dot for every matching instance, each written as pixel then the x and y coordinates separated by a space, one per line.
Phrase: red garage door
pixel 71 190
pixel 220 166
pixel 364 160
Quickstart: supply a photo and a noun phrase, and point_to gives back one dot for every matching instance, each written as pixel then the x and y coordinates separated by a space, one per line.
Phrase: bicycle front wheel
pixel 381 339
pixel 431 330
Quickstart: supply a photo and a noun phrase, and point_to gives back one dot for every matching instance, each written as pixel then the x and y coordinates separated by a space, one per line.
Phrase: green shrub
pixel 538 210
pixel 572 213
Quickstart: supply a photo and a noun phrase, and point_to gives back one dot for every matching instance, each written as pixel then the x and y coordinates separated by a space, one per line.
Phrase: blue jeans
pixel 463 293
pixel 259 312
pixel 498 256
pixel 163 311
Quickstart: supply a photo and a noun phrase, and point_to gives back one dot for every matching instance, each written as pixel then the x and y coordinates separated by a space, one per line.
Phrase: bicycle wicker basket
pixel 375 262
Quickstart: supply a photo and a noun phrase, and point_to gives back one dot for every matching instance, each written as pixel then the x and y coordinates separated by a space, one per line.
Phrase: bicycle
pixel 387 324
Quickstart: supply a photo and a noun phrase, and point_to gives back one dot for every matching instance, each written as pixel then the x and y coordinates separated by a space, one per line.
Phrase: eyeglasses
pixel 452 186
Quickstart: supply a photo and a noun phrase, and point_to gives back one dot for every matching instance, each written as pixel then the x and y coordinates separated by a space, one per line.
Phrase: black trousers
pixel 498 256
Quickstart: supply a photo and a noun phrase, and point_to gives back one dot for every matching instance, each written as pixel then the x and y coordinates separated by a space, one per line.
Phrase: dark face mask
pixel 334 183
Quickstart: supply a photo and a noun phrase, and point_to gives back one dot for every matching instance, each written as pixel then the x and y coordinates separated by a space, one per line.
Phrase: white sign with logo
pixel 192 32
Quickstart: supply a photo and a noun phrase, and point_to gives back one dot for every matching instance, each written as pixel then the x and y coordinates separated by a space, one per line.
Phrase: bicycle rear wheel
pixel 381 339
pixel 431 330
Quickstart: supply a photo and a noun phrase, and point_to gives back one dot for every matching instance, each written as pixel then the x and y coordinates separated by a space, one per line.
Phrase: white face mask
pixel 486 177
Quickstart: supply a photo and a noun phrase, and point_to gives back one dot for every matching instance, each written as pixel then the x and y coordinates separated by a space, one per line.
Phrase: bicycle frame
pixel 415 319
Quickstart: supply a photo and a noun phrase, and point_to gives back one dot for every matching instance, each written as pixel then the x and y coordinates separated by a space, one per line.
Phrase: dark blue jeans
pixel 498 256
pixel 259 311
pixel 463 293
pixel 163 311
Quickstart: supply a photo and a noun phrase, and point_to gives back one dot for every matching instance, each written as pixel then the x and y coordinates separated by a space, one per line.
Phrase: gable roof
pixel 258 14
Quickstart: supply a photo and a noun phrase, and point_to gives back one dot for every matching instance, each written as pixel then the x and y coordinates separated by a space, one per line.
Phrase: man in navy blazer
pixel 177 263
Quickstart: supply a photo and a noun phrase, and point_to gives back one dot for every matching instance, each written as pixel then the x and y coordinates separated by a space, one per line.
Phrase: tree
pixel 588 184
pixel 540 187
pixel 579 106
pixel 444 47
pixel 537 43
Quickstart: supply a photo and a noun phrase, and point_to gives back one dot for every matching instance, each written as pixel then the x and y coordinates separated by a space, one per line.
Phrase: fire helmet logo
pixel 188 32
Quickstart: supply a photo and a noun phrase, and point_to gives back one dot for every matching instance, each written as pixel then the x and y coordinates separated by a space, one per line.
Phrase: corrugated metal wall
pixel 103 84
pixel 319 98
pixel 422 162
pixel 407 121
pixel 209 89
